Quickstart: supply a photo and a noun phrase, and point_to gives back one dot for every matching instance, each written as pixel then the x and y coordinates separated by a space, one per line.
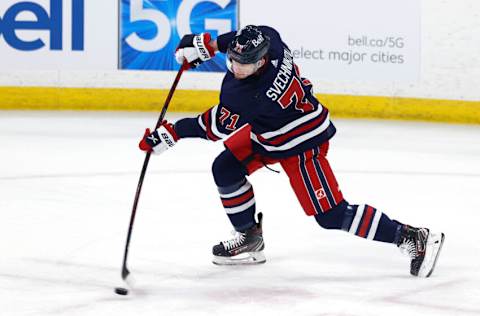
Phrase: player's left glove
pixel 194 49
pixel 160 140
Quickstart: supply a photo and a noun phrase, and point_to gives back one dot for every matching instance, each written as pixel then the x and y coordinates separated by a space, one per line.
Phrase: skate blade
pixel 434 246
pixel 248 258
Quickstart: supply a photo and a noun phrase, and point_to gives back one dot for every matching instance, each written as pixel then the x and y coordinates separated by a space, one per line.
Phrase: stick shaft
pixel 125 271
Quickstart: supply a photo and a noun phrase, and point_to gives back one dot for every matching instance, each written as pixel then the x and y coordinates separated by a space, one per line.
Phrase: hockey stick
pixel 125 271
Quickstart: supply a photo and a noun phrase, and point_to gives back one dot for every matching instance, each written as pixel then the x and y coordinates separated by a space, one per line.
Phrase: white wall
pixel 449 63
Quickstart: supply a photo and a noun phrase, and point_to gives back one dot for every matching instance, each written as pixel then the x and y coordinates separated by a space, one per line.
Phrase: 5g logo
pixel 151 30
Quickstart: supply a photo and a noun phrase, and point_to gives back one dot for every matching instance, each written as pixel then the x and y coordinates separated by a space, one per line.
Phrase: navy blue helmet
pixel 249 45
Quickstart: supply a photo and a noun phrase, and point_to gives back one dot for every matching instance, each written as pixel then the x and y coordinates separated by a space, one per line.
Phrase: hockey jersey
pixel 278 104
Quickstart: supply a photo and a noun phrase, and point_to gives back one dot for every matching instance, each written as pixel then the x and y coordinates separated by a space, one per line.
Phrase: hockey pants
pixel 313 182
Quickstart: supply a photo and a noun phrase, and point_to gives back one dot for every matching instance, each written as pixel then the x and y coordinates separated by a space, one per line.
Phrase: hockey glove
pixel 160 140
pixel 194 49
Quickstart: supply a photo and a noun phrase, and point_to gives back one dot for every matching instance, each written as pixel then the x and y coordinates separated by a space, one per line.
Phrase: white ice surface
pixel 67 183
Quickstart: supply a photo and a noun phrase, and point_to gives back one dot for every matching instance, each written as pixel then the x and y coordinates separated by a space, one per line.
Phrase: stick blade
pixel 127 277
pixel 125 273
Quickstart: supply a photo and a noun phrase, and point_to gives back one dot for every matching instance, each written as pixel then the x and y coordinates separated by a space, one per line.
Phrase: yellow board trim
pixel 341 106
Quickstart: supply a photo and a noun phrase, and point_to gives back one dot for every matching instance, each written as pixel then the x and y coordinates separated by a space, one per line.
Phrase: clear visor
pixel 241 70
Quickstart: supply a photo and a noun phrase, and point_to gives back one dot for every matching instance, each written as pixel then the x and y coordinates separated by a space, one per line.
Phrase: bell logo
pixel 12 23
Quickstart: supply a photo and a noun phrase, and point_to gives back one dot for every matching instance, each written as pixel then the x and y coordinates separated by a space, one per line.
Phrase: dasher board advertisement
pixel 151 30
pixel 58 34
pixel 346 40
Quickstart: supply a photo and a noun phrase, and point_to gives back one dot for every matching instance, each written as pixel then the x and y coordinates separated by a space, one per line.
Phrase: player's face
pixel 242 71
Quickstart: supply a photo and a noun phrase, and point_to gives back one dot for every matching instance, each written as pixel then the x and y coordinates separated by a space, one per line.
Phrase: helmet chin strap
pixel 229 64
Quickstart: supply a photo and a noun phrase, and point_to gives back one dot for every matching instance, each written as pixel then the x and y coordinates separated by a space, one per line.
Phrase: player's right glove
pixel 195 49
pixel 160 140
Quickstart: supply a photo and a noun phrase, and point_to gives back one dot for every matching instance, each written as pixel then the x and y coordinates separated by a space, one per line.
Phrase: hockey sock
pixel 235 191
pixel 361 220
pixel 239 203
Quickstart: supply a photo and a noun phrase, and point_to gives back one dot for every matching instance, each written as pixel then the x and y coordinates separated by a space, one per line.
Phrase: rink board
pixel 347 106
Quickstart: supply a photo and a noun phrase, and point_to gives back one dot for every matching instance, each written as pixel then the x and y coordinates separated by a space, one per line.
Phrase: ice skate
pixel 245 248
pixel 423 247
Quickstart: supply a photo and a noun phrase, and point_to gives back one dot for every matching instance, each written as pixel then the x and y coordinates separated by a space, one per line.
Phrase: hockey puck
pixel 121 291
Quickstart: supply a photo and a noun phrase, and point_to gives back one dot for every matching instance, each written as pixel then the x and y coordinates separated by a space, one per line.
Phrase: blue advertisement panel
pixel 151 30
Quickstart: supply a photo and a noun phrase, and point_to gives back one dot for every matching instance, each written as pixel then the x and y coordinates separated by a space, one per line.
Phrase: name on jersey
pixel 280 83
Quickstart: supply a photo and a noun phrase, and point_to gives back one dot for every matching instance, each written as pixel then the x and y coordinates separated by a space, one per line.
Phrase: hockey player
pixel 272 116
